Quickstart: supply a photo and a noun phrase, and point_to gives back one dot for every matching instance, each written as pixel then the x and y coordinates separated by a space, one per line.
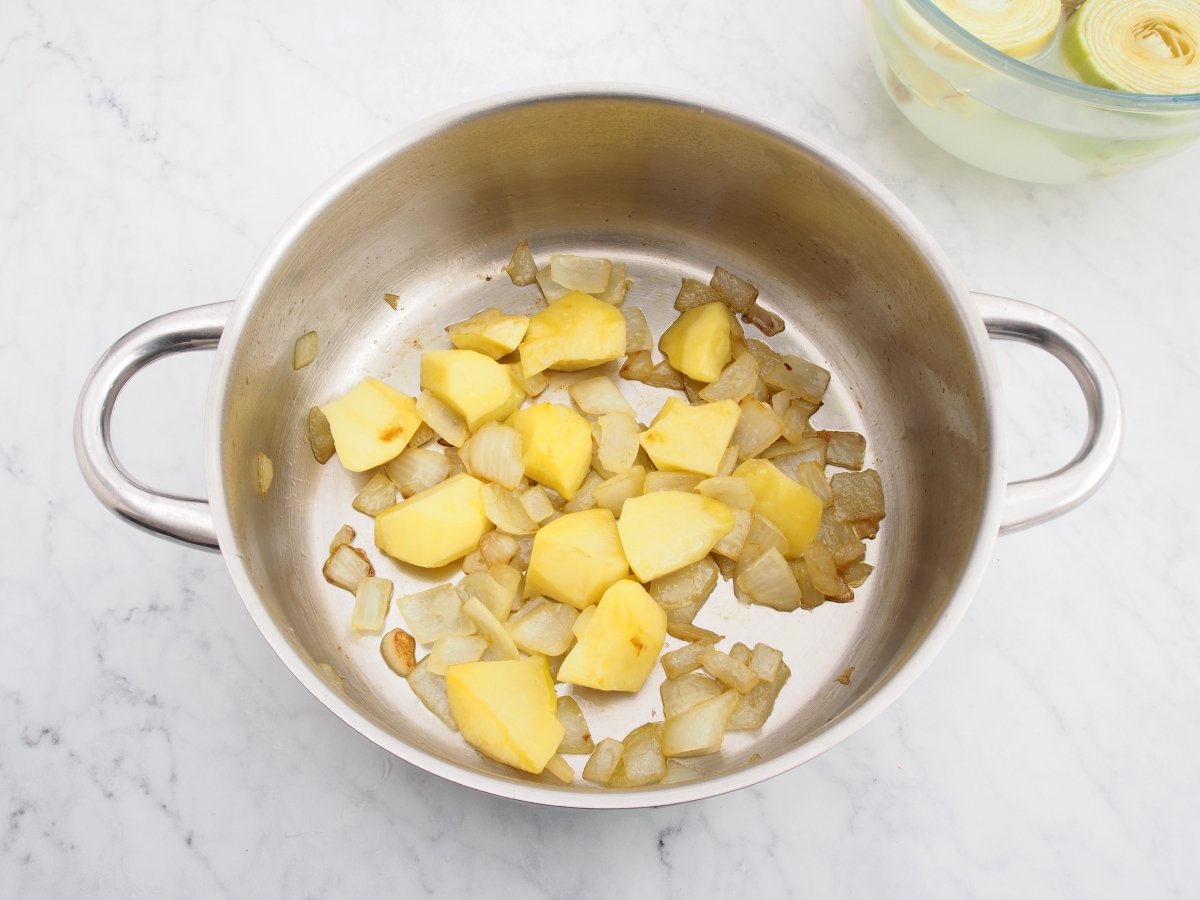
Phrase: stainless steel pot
pixel 672 188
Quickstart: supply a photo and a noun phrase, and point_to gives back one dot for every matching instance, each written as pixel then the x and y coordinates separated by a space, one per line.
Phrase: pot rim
pixel 516 788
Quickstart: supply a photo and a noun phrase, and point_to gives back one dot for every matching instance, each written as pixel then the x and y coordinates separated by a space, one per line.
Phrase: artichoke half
pixel 1019 28
pixel 1142 46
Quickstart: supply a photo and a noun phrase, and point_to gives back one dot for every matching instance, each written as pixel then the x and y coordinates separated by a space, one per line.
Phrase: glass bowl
pixel 1018 119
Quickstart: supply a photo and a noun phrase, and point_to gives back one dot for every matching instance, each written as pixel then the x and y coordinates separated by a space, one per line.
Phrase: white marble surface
pixel 151 745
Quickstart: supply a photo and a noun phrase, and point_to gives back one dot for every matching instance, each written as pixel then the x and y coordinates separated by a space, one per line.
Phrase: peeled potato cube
pixel 790 507
pixel 507 710
pixel 681 694
pixel 574 332
pixel 642 761
pixel 667 530
pixel 701 729
pixel 577 737
pixel 685 438
pixel 473 385
pixel 618 648
pixel 490 332
pixel 576 558
pixel 603 762
pixel 556 446
pixel 436 526
pixel 371 424
pixel 699 343
pixel 543 626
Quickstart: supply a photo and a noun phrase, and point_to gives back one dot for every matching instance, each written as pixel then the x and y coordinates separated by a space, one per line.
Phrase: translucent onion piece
pixel 497 547
pixel 506 511
pixel 845 449
pixel 670 481
pixel 686 631
pixel 474 562
pixel 735 292
pixel 1016 27
pixel 399 651
pixel 1142 46
pixel 735 383
pixel 701 729
pixel 732 544
pixel 448 424
pixel 488 591
pixel 612 493
pixel 812 476
pixel 376 495
pixel 618 444
pixel 493 453
pixel 450 651
pixel 264 473
pixel 683 592
pixel 320 437
pixel 417 469
pixel 757 428
pixel 544 626
pixel 422 436
pixel 756 707
pixel 642 761
pixel 371 602
pixel 726 566
pixel 764 535
pixel 823 570
pixel 431 691
pixel 618 286
pixel 585 497
pixel 525 549
pixel 686 659
pixel 681 694
pixel 810 597
pixel 550 289
pixel 537 503
pixel 305 349
pixel 726 669
pixel 679 773
pixel 663 376
pixel 603 762
pixel 764 320
pixel 577 737
pixel 580 273
pixel 857 496
pixel 521 269
pixel 346 567
pixel 344 535
pixel 637 330
pixel 791 373
pixel 599 395
pixel 638 366
pixel 762 352
pixel 560 769
pixel 435 613
pixel 695 293
pixel 733 492
pixel 500 643
pixel 532 385
pixel 729 461
pixel 768 581
pixel 766 662
pixel 856 573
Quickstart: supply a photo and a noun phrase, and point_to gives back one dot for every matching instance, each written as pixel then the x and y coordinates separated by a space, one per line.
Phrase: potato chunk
pixel 556 446
pixel 790 507
pixel 699 343
pixel 620 643
pixel 473 385
pixel 667 530
pixel 371 424
pixel 436 526
pixel 490 332
pixel 574 332
pixel 507 710
pixel 576 558
pixel 685 438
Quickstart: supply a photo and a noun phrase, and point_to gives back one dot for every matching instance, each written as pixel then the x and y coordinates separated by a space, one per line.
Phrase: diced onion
pixel 551 290
pixel 734 541
pixel 264 473
pixel 856 573
pixel 493 453
pixel 320 437
pixel 695 293
pixel 603 762
pixel 823 571
pixel 791 373
pixel 599 395
pixel 729 461
pixel 543 626
pixel 560 769
pixel 736 293
pixel 417 469
pixel 735 383
pixel 685 659
pixel 448 424
pixel 505 510
pixel 378 494
pixel 812 476
pixel 670 481
pixel 500 643
pixel 638 366
pixel 585 496
pixel 612 493
pixel 618 445
pixel 663 376
pixel 344 535
pixel 521 269
pixel 577 736
pixel 371 601
pixel 762 319
pixel 685 590
pixel 857 496
pixel 305 349
pixel 537 503
pixel 532 385
pixel 434 614
pixel 431 691
pixel 686 631
pixel 768 581
pixel 451 651
pixel 757 428
pixel 637 330
pixel 346 567
pixel 580 273
pixel 497 547
pixel 732 491
pixel 725 668
pixel 490 592
pixel 678 773
pixel 845 449
pixel 474 562
pixel 618 286
pixel 766 662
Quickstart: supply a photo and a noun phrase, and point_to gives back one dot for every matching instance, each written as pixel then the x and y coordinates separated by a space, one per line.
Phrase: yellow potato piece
pixel 620 643
pixel 575 558
pixel 437 525
pixel 791 507
pixel 574 332
pixel 686 438
pixel 507 710
pixel 490 332
pixel 556 446
pixel 699 343
pixel 371 424
pixel 667 530
pixel 473 385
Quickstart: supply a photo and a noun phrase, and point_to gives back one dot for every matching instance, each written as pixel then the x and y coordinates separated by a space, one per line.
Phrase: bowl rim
pixel 514 787
pixel 1125 101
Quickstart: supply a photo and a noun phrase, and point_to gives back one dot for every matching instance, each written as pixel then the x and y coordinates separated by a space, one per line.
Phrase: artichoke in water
pixel 1142 46
pixel 1017 27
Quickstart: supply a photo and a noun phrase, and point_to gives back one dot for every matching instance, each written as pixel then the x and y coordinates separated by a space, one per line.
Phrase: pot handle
pixel 1038 500
pixel 183 519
